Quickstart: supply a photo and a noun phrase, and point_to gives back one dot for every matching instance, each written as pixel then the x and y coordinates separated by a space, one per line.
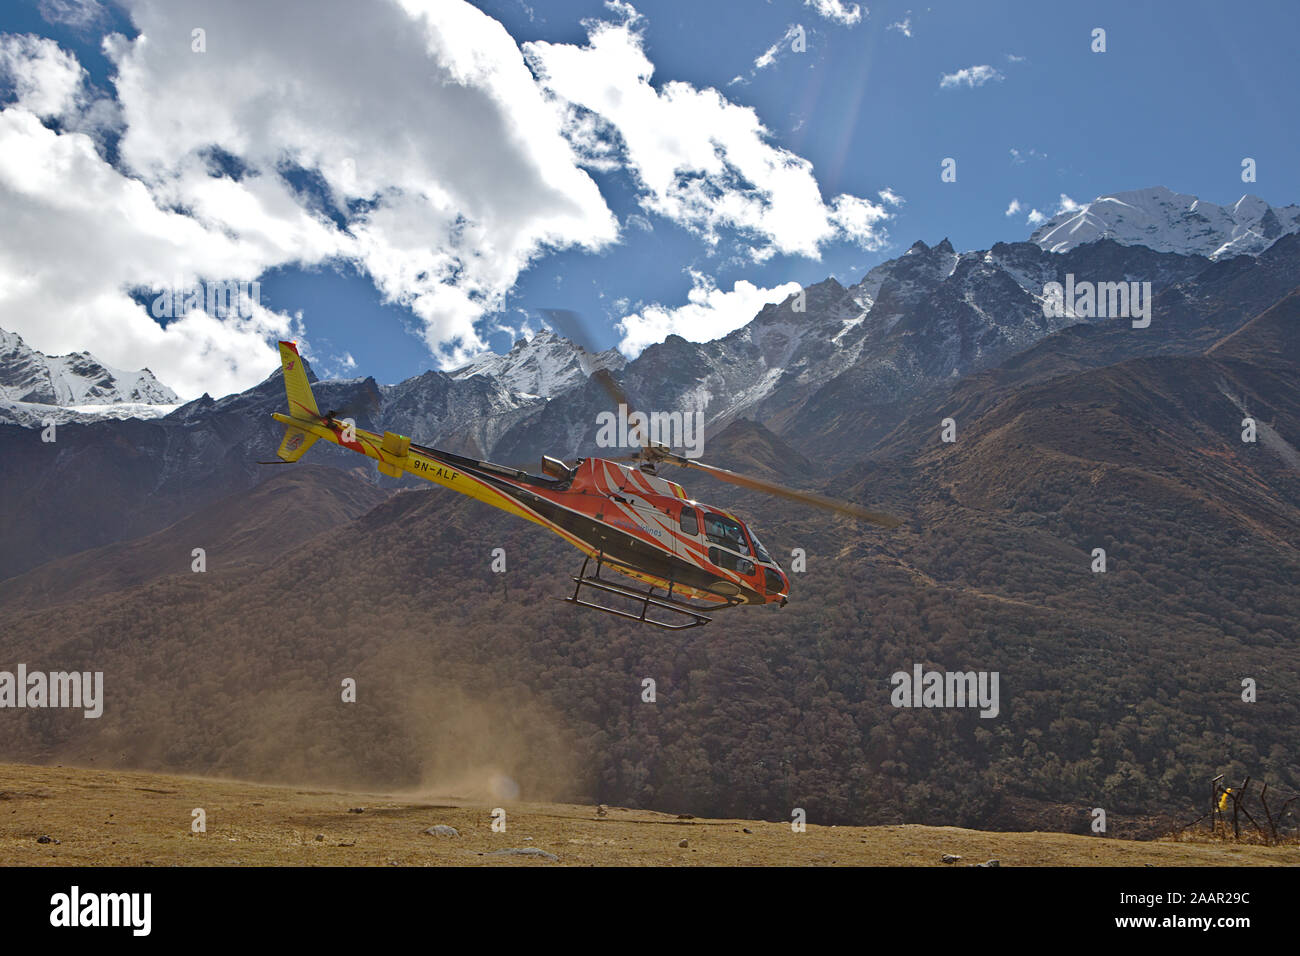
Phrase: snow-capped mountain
pixel 27 375
pixel 471 411
pixel 912 324
pixel 831 380
pixel 543 366
pixel 36 387
pixel 1166 221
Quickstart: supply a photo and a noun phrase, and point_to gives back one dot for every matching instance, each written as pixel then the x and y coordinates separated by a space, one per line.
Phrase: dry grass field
pixel 109 818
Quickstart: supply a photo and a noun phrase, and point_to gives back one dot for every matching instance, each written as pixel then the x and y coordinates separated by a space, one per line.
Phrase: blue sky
pixel 1183 92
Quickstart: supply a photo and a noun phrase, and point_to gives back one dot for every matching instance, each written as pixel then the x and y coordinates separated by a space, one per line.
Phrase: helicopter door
pixel 689 522
pixel 688 525
pixel 651 520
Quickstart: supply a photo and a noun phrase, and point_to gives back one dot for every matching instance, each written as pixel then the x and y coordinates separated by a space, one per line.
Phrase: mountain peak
pixel 541 366
pixel 30 376
pixel 1167 221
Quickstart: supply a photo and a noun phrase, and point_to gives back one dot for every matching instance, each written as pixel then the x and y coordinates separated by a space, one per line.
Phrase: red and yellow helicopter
pixel 617 511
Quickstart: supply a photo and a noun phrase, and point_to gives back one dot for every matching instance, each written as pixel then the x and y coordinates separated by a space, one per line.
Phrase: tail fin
pixel 295 444
pixel 302 404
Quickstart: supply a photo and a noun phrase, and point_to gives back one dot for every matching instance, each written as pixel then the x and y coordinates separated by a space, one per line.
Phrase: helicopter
pixel 619 512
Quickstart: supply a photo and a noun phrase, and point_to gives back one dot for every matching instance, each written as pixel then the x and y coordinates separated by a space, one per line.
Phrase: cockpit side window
pixel 690 523
pixel 725 559
pixel 719 529
pixel 759 551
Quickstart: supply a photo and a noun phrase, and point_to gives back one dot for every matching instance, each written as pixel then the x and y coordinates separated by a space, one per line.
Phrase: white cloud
pixel 334 365
pixel 971 76
pixel 1035 218
pixel 435 117
pixel 890 197
pixel 592 138
pixel 419 123
pixel 46 80
pixel 858 220
pixel 622 8
pixel 770 55
pixel 1013 208
pixel 79 236
pixel 1067 204
pixel 1020 157
pixel 903 26
pixel 709 313
pixel 424 110
pixel 700 160
pixel 73 13
pixel 847 14
pixel 1012 58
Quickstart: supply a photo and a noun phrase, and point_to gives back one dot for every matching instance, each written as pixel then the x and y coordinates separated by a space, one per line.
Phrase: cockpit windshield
pixel 724 531
pixel 759 551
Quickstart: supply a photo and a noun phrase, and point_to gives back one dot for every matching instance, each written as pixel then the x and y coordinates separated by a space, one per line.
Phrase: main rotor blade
pixel 781 491
pixel 620 399
pixel 571 325
pixel 576 329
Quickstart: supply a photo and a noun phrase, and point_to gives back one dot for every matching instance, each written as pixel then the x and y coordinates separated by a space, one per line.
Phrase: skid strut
pixel 646 598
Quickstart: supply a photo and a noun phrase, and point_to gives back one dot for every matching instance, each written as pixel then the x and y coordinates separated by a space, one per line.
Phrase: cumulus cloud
pixel 79 237
pixel 409 138
pixel 890 197
pixel 434 119
pixel 1013 208
pixel 700 160
pixel 971 76
pixel 1035 218
pixel 418 123
pixel 903 26
pixel 46 80
pixel 709 313
pixel 847 14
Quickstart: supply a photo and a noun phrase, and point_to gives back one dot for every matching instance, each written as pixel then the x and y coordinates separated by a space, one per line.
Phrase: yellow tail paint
pixel 302 403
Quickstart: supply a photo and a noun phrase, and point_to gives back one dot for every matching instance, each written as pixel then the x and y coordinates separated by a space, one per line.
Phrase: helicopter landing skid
pixel 646 598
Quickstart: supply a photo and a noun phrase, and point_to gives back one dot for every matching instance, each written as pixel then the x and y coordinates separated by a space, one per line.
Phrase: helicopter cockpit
pixel 735 547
